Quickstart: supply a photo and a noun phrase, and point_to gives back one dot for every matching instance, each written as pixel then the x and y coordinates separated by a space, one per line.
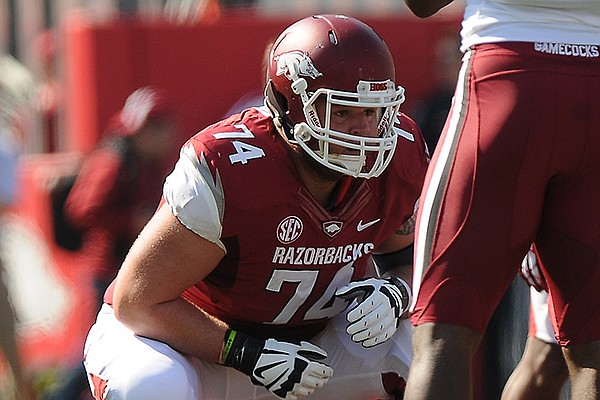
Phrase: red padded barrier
pixel 205 68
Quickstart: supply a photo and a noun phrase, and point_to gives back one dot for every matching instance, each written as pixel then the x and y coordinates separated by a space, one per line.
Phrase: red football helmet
pixel 343 61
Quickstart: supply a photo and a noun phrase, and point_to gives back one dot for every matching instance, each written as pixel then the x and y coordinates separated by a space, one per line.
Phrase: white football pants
pixel 122 365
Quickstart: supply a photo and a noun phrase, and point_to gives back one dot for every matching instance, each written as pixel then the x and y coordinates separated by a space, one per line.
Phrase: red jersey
pixel 285 253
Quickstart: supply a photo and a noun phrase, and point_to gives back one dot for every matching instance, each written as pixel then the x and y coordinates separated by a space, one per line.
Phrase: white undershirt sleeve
pixel 196 197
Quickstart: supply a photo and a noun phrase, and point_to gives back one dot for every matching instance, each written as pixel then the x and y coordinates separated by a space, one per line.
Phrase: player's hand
pixel 531 272
pixel 381 303
pixel 288 370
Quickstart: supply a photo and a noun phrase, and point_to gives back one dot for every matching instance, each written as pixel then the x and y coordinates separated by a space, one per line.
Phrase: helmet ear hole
pixel 276 99
pixel 282 101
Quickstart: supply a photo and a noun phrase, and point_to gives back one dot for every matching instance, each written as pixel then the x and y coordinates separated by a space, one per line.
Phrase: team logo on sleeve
pixel 289 229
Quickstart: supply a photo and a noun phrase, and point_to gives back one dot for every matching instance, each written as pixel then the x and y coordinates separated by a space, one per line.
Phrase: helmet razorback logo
pixel 296 63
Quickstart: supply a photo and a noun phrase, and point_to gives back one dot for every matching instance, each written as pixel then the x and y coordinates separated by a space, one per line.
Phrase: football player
pixel 251 280
pixel 517 163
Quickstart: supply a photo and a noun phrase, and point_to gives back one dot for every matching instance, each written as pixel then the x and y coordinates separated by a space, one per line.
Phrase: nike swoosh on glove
pixel 380 304
pixel 290 370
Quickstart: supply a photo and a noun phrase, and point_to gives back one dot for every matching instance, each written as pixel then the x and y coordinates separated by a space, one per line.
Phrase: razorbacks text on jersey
pixel 235 184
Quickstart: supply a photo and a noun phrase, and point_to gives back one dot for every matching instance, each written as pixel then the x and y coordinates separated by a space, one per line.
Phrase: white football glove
pixel 381 303
pixel 531 272
pixel 286 369
pixel 290 370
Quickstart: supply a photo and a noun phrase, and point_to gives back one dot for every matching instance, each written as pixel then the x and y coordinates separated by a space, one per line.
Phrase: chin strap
pixel 282 122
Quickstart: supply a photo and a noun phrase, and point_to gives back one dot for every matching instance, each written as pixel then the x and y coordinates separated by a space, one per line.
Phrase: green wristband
pixel 227 343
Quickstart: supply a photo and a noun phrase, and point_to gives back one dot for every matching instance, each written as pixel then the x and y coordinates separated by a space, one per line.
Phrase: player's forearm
pixel 403 272
pixel 426 8
pixel 398 264
pixel 178 324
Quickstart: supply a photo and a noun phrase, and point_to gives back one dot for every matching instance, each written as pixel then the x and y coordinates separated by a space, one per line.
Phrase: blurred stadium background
pixel 68 65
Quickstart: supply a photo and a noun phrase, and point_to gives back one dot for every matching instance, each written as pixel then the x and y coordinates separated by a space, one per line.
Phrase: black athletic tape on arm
pixel 404 290
pixel 388 261
pixel 240 351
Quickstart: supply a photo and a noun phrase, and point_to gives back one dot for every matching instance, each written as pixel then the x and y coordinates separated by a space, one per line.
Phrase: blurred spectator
pixel 17 92
pixel 116 191
pixel 431 112
pixel 190 11
pixel 10 103
pixel 8 336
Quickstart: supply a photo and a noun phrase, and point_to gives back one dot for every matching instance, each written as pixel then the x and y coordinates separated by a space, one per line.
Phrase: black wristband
pixel 403 287
pixel 241 351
